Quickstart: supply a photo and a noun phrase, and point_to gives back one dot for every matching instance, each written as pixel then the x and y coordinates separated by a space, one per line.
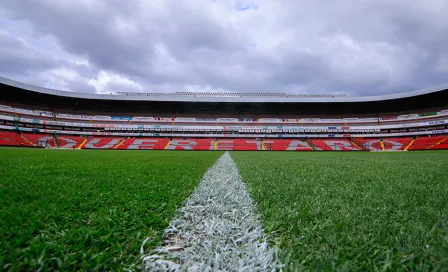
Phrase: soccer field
pixel 89 210
pixel 353 211
pixel 86 209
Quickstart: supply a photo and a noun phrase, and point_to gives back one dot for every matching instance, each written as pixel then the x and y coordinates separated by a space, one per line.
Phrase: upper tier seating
pixel 313 121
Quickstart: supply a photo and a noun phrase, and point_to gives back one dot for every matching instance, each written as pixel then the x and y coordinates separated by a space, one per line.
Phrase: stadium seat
pixel 191 144
pixel 8 138
pixel 282 145
pixel 225 144
pixel 422 143
pixel 375 144
pixel 247 144
pixel 335 144
pixel 102 143
pixel 40 140
pixel 144 143
pixel 443 145
pixel 396 143
pixel 68 141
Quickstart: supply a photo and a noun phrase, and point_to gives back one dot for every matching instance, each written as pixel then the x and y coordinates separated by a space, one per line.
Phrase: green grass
pixel 353 211
pixel 89 210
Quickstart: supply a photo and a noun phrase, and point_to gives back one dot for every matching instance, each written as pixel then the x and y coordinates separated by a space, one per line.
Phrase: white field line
pixel 217 229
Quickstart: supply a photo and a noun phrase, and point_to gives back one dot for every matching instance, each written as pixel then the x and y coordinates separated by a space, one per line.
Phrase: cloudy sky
pixel 358 47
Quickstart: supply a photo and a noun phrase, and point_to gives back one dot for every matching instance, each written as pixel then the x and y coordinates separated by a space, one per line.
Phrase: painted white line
pixel 217 229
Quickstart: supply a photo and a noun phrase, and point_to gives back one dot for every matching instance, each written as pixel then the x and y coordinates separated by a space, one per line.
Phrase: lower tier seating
pixel 282 145
pixel 190 144
pixel 385 144
pixel 335 144
pixel 396 143
pixel 67 141
pixel 102 142
pixel 143 143
pixel 444 145
pixel 426 142
pixel 42 140
pixel 12 139
pixel 9 138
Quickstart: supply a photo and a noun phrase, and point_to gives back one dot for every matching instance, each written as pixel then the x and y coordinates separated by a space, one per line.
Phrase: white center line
pixel 217 229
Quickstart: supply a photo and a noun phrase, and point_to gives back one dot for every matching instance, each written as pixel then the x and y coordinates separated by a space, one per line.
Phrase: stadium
pixel 332 199
pixel 39 117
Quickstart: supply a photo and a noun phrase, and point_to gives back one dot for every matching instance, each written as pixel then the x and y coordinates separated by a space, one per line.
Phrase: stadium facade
pixel 38 117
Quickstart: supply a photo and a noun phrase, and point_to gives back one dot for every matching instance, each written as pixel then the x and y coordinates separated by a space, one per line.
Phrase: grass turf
pixel 89 210
pixel 353 211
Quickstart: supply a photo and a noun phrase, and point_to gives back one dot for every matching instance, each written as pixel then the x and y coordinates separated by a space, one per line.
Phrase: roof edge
pixel 245 99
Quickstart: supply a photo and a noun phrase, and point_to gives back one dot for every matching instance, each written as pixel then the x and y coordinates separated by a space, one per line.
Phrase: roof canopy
pixel 247 105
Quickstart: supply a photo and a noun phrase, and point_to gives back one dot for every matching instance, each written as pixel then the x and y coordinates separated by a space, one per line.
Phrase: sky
pixel 360 48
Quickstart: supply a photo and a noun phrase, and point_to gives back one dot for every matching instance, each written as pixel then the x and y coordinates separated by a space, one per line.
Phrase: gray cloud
pixel 18 58
pixel 365 47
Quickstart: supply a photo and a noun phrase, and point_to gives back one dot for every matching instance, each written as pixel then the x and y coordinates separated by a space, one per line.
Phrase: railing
pixel 229 94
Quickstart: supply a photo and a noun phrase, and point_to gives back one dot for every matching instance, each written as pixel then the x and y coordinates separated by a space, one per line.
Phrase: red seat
pixel 68 141
pixel 102 142
pixel 8 138
pixel 191 144
pixel 42 140
pixel 144 143
pixel 396 143
pixel 422 143
pixel 374 144
pixel 335 144
pixel 282 145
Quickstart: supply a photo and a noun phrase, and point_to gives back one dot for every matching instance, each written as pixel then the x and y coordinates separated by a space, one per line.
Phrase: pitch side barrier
pixel 121 143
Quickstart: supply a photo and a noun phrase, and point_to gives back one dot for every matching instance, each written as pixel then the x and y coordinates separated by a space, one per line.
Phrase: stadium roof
pixel 247 105
pixel 225 97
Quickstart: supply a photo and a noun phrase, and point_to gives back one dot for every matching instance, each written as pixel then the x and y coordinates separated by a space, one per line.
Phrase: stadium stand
pixel 396 143
pixel 102 143
pixel 440 145
pixel 12 139
pixel 38 117
pixel 422 143
pixel 335 144
pixel 247 144
pixel 144 143
pixel 97 142
pixel 68 141
pixel 40 140
pixel 376 144
pixel 290 145
pixel 190 144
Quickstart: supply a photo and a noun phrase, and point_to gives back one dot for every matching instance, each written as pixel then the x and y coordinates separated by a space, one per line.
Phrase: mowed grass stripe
pixel 353 211
pixel 89 210
pixel 217 229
